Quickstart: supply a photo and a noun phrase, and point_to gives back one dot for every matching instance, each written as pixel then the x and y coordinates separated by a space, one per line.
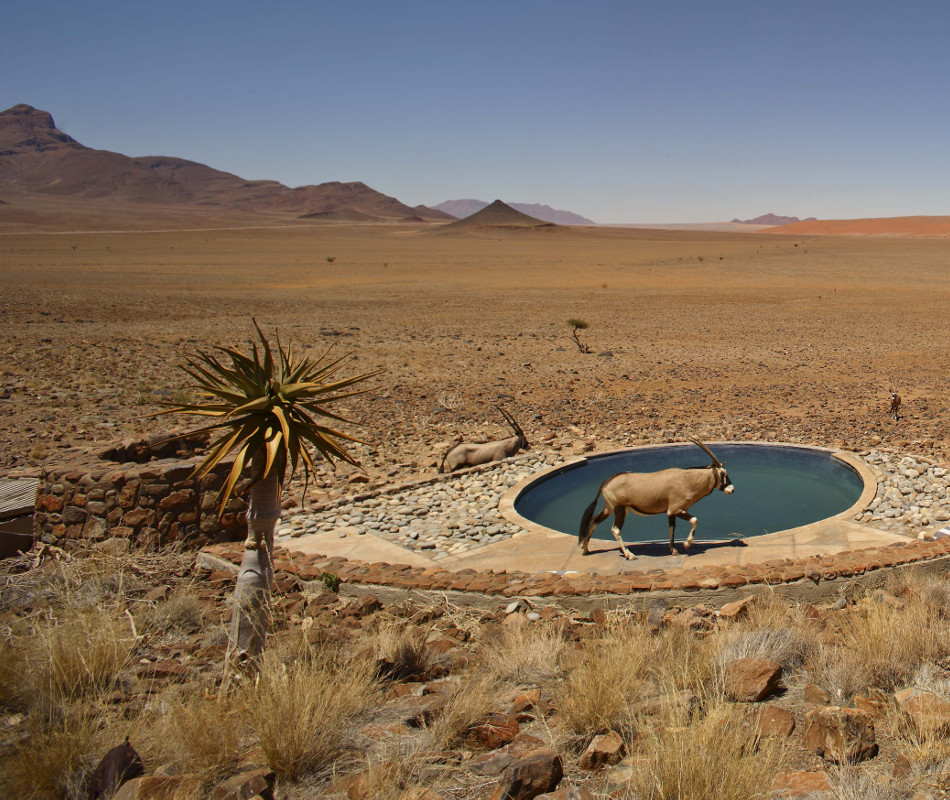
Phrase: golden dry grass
pixel 303 711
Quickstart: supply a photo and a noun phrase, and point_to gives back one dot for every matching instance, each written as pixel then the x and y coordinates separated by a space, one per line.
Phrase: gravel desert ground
pixel 718 335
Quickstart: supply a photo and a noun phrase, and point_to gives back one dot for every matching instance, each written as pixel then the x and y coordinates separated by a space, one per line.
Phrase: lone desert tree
pixel 578 325
pixel 268 406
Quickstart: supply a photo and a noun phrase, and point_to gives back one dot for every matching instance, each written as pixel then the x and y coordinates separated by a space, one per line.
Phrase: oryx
pixel 895 410
pixel 466 454
pixel 669 491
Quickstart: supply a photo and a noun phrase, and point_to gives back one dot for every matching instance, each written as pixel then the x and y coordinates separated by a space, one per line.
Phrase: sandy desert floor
pixel 717 335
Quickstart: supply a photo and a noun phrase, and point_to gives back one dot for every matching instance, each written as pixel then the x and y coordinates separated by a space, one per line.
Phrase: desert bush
pixel 894 642
pixel 465 702
pixel 304 712
pixel 200 733
pixel 789 646
pixel 524 652
pixel 679 660
pixel 608 677
pixel 77 654
pixel 839 671
pixel 713 755
pixel 181 612
pixel 54 754
pixel 399 650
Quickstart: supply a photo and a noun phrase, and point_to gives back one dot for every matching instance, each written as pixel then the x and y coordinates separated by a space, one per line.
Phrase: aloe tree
pixel 270 409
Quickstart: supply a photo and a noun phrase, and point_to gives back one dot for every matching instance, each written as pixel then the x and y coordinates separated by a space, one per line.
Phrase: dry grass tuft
pixel 716 755
pixel 202 734
pixel 52 758
pixel 893 642
pixel 304 712
pixel 599 689
pixel 524 652
pixel 400 650
pixel 80 653
pixel 181 612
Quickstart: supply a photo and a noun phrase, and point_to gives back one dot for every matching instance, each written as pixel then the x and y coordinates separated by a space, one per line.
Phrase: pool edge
pixel 506 505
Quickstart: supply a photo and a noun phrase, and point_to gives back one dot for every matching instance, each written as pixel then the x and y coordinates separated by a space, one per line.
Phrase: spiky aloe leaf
pixel 270 400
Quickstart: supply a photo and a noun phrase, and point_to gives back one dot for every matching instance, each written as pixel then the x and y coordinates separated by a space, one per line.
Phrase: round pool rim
pixel 506 506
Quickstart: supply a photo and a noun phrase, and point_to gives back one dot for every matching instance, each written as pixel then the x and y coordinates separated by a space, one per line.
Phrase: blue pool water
pixel 776 487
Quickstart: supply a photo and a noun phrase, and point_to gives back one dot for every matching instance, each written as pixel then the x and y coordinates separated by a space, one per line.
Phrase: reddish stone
pixel 840 735
pixel 773 721
pixel 603 751
pixel 799 783
pixel 748 680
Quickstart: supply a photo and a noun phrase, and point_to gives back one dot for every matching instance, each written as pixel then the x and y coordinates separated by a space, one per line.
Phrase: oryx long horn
pixel 716 461
pixel 510 420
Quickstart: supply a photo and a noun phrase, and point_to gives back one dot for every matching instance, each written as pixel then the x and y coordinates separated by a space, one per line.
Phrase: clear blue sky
pixel 620 111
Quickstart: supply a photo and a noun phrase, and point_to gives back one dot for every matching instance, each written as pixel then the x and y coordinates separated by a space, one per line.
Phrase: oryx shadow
pixel 662 549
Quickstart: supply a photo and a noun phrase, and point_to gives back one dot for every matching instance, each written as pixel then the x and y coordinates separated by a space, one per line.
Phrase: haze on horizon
pixel 683 113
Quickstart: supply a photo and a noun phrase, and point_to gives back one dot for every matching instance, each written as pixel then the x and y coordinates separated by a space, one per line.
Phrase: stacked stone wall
pixel 148 497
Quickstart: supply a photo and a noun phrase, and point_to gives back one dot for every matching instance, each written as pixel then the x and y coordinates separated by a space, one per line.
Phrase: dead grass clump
pixel 304 712
pixel 53 756
pixel 715 755
pixel 465 702
pixel 848 783
pixel 202 734
pixel 400 651
pixel 608 677
pixel 76 654
pixel 181 612
pixel 679 660
pixel 524 652
pixel 839 671
pixel 894 642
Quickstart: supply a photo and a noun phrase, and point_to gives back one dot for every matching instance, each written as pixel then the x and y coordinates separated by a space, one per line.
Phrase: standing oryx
pixel 669 491
pixel 895 405
pixel 465 454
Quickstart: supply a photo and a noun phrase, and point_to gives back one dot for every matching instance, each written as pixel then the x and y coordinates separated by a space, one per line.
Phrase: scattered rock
pixel 492 731
pixel 535 773
pixel 246 785
pixel 773 721
pixel 605 750
pixel 799 783
pixel 748 680
pixel 840 735
pixel 817 696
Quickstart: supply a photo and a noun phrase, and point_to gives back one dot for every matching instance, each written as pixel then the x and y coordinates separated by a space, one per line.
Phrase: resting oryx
pixel 466 454
pixel 669 491
pixel 895 405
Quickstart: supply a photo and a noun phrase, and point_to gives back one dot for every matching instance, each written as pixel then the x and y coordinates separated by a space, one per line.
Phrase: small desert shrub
pixel 679 660
pixel 49 762
pixel 715 755
pixel 304 712
pixel 201 734
pixel 182 611
pixel 839 671
pixel 848 783
pixel 81 653
pixel 599 689
pixel 894 642
pixel 399 650
pixel 524 652
pixel 465 703
pixel 789 646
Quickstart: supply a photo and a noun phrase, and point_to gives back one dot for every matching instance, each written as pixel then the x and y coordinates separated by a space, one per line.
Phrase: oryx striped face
pixel 722 481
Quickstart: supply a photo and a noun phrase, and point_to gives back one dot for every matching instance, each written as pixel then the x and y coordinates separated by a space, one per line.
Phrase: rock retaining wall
pixel 139 490
pixel 808 578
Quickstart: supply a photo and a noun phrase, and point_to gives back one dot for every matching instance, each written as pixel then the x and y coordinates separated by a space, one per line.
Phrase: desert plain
pixel 723 336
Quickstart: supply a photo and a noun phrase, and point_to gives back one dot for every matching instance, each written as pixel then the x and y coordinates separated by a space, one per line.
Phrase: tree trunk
pixel 250 614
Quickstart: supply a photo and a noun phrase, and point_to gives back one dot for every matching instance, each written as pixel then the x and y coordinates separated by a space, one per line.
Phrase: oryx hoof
pixel 674 551
pixel 629 556
pixel 687 545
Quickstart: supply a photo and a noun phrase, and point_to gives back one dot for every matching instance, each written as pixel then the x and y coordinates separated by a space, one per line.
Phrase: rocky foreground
pixel 360 699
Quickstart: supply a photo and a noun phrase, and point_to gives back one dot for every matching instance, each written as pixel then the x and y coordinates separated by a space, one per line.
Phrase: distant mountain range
pixel 772 219
pixel 465 208
pixel 38 159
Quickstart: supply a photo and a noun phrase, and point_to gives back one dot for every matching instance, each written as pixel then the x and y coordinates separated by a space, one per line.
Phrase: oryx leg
pixel 593 524
pixel 692 522
pixel 619 516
